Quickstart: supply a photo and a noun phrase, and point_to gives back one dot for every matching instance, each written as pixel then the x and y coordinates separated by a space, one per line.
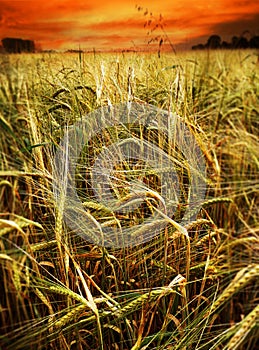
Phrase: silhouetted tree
pixel 214 42
pixel 254 42
pixel 198 47
pixel 225 45
pixel 16 45
pixel 241 42
pixel 234 42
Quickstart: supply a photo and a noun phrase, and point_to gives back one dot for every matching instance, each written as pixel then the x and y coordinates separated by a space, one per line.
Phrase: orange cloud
pixel 64 24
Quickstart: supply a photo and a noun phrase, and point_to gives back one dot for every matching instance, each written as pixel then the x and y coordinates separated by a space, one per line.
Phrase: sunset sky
pixel 117 24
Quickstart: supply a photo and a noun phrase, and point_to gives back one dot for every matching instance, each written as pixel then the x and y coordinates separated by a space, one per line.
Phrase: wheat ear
pixel 244 328
pixel 242 278
pixel 71 315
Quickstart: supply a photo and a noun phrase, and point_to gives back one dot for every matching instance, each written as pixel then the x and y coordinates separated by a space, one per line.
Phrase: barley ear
pixel 244 328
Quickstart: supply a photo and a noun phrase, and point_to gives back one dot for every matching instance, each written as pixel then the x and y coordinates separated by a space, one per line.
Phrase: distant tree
pixel 16 45
pixel 28 46
pixel 225 45
pixel 243 43
pixel 74 51
pixel 214 42
pixel 254 42
pixel 239 42
pixel 198 47
pixel 234 42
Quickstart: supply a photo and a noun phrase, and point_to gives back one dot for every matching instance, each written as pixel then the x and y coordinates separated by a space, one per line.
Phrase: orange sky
pixel 114 24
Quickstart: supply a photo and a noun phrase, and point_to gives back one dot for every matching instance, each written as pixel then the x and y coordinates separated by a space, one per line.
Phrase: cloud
pixel 238 25
pixel 16 13
pixel 127 24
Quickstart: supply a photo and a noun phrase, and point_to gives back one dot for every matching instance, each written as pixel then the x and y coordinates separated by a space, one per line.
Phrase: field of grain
pixel 189 287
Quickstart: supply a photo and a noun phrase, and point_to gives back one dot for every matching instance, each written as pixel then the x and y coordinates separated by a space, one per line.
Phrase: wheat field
pixel 191 287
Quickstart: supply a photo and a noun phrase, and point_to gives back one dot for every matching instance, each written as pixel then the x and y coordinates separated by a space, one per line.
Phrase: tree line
pixel 241 42
pixel 17 45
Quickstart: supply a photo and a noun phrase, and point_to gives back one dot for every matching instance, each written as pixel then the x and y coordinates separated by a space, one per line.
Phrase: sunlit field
pixel 192 286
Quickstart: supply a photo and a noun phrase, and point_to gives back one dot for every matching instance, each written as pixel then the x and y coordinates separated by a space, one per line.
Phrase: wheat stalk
pixel 244 328
pixel 199 222
pixel 43 245
pixel 211 201
pixel 71 315
pixel 68 292
pixel 242 278
pixel 208 236
pixel 151 296
pixel 45 300
pixel 17 276
pixel 97 206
